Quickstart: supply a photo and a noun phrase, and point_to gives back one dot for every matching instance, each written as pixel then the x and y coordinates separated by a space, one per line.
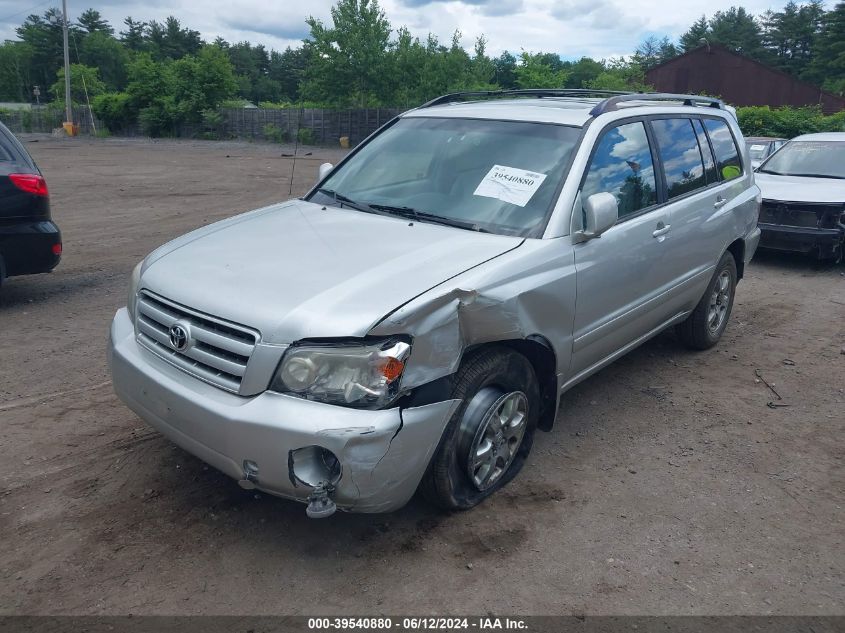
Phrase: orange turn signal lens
pixel 392 369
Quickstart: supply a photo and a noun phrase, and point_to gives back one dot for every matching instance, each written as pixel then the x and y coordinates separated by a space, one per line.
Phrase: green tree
pixel 102 51
pixel 653 51
pixel 43 34
pixel 582 72
pixel 84 81
pixel 534 71
pixel 349 61
pixel 134 37
pixel 621 74
pixel 828 64
pixel 790 35
pixel 92 22
pixel 202 82
pixel 15 71
pixel 287 69
pixel 481 69
pixel 505 71
pixel 700 30
pixel 170 40
pixel 737 30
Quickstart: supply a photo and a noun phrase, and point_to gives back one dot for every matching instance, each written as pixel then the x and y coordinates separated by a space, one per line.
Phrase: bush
pixel 213 121
pixel 275 133
pixel 787 122
pixel 114 110
pixel 160 118
pixel 306 136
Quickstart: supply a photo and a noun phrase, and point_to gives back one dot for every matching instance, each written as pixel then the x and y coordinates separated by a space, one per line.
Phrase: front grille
pixel 801 214
pixel 217 351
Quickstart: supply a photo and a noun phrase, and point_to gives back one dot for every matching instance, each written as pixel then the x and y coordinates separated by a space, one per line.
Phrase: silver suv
pixel 411 321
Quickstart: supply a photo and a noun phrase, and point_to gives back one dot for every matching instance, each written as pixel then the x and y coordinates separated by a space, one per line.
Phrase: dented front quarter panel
pixel 381 465
pixel 528 292
pixel 386 479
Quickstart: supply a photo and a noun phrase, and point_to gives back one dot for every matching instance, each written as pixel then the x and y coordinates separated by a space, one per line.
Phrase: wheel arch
pixel 539 352
pixel 737 249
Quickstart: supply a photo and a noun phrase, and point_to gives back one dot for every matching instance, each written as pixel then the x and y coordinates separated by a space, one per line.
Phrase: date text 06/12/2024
pixel 418 624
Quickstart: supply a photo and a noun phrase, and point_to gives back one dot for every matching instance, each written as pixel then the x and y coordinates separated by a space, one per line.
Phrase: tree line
pixel 163 73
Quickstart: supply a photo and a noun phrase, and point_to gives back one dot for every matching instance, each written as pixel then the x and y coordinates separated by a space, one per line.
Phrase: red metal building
pixel 738 80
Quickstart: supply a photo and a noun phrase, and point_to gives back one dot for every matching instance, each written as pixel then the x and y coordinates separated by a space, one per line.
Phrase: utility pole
pixel 68 111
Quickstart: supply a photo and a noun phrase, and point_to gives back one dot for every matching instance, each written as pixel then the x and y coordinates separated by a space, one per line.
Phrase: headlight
pixel 364 375
pixel 132 296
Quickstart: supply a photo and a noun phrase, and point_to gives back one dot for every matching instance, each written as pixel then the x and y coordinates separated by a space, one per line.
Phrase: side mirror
pixel 325 169
pixel 601 211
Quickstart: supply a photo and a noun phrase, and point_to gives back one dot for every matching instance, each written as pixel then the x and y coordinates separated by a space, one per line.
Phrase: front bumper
pixel 383 454
pixel 825 243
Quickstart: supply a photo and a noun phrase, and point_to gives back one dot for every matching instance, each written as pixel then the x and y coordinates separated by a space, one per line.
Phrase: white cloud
pixel 572 28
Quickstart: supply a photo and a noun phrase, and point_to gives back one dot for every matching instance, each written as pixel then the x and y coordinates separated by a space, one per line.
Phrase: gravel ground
pixel 668 486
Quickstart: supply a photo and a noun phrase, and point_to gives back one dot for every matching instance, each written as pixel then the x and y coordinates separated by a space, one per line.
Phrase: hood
pixel 800 189
pixel 298 270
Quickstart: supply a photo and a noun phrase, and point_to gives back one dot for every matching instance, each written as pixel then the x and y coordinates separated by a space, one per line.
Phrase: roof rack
pixel 537 93
pixel 611 104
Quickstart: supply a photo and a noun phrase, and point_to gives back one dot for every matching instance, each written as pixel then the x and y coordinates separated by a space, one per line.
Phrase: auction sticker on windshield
pixel 510 184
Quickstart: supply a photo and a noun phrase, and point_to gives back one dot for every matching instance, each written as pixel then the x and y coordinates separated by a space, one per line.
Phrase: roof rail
pixel 611 104
pixel 537 93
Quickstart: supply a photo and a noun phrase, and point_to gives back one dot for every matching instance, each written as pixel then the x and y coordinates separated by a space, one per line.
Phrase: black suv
pixel 29 240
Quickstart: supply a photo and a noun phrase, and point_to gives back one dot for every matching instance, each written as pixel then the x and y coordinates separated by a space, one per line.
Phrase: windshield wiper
pixel 343 200
pixel 422 216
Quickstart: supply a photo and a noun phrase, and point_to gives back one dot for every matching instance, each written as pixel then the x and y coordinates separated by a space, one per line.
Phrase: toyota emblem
pixel 179 337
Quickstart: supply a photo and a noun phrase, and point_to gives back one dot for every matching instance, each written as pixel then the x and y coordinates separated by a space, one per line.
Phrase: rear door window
pixel 728 162
pixel 677 145
pixel 622 165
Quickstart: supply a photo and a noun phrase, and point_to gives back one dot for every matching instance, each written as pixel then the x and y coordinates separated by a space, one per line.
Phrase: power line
pixel 35 6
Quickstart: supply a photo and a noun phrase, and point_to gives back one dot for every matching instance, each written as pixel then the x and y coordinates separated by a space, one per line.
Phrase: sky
pixel 572 28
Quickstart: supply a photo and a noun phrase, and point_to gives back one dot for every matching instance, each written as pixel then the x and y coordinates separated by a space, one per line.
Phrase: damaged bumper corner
pixel 381 455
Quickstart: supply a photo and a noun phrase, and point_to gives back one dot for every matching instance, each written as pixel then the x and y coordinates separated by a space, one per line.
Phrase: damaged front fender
pixel 522 294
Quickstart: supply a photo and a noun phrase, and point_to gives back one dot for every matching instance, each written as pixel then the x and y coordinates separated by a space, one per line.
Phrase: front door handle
pixel 720 202
pixel 662 229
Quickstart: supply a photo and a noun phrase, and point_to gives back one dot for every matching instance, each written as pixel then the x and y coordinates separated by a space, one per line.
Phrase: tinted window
pixel 706 153
pixel 727 153
pixel 680 155
pixel 622 166
pixel 11 150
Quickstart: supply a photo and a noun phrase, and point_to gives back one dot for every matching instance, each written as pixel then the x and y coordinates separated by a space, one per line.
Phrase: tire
pixel 494 379
pixel 699 330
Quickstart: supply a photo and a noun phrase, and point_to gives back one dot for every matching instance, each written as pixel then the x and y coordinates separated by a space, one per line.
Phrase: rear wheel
pixel 490 435
pixel 704 327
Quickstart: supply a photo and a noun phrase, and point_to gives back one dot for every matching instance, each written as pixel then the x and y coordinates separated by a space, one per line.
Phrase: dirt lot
pixel 667 487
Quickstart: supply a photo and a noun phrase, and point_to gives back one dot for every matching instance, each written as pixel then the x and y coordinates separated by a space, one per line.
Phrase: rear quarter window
pixel 5 156
pixel 727 153
pixel 677 145
pixel 11 150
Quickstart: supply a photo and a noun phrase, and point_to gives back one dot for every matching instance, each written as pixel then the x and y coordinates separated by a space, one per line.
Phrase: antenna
pixel 296 147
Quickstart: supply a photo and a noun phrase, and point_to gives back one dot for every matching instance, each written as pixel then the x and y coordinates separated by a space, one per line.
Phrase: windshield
pixel 497 176
pixel 758 150
pixel 820 159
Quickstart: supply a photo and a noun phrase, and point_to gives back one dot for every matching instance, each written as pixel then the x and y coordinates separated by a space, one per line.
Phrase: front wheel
pixel 489 436
pixel 705 326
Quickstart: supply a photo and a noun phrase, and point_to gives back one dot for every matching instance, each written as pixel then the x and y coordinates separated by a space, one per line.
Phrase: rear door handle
pixel 720 202
pixel 662 229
